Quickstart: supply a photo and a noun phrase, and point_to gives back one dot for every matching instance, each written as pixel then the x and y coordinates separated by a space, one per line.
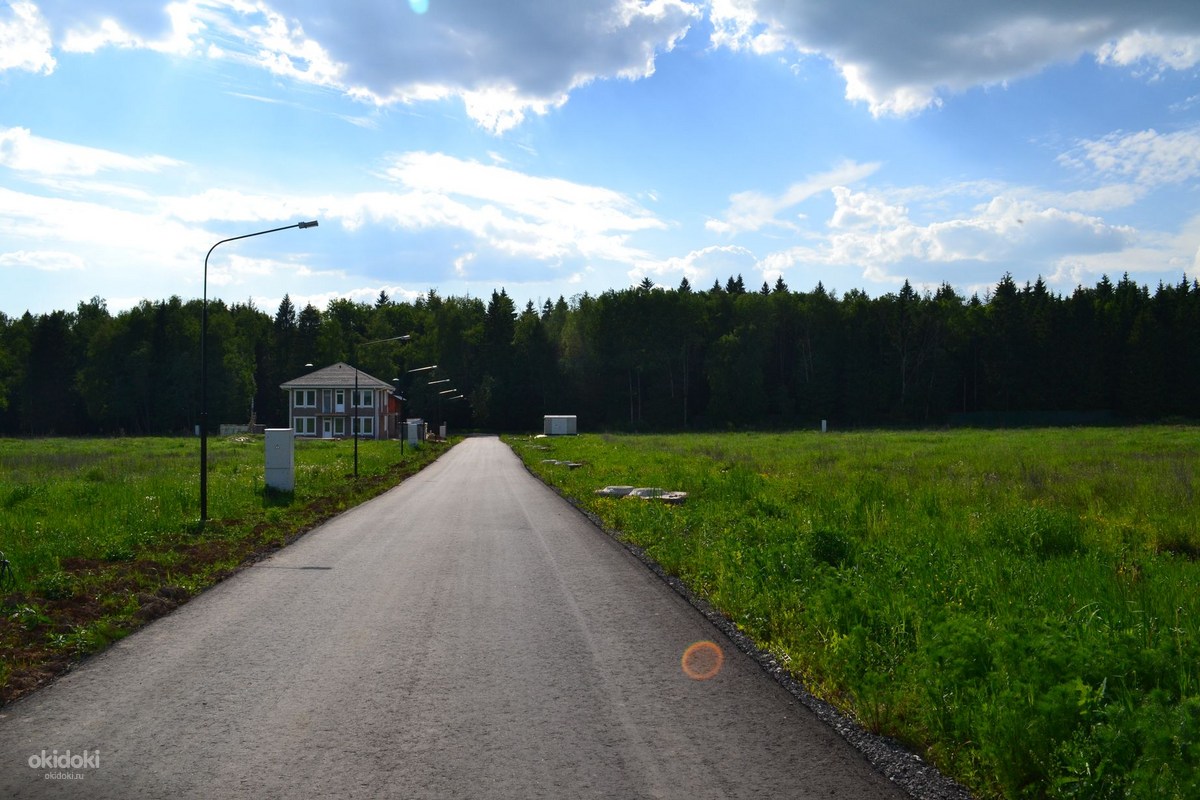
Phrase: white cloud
pixel 25 41
pixel 362 294
pixel 174 27
pixel 517 214
pixel 751 211
pixel 461 263
pixel 862 210
pixel 576 278
pixel 502 213
pixel 228 204
pixel 1104 198
pixel 21 150
pixel 1146 157
pixel 1003 230
pixel 1164 51
pixel 43 260
pixel 95 226
pixel 503 60
pixel 1177 253
pixel 698 266
pixel 871 232
pixel 900 58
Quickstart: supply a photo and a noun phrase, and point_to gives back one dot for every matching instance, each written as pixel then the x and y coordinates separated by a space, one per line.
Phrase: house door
pixel 326 429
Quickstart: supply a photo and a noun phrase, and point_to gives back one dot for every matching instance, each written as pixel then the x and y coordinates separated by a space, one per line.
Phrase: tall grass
pixel 1021 607
pixel 113 500
pixel 103 535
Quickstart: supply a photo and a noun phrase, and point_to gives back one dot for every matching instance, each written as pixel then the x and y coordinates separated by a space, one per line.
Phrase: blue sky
pixel 552 148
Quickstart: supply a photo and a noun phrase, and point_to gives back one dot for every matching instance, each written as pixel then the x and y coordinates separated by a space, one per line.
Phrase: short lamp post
pixel 204 363
pixel 354 398
pixel 415 369
pixel 400 400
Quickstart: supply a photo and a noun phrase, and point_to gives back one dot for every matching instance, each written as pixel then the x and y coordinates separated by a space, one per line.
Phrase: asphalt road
pixel 468 634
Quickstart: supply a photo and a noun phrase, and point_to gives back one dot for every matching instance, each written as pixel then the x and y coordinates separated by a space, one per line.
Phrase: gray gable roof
pixel 335 376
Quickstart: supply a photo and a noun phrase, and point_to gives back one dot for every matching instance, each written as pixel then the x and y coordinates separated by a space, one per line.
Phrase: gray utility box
pixel 559 425
pixel 281 459
pixel 414 430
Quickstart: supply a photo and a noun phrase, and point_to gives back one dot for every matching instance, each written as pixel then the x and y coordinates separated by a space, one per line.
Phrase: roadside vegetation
pixel 1021 607
pixel 103 535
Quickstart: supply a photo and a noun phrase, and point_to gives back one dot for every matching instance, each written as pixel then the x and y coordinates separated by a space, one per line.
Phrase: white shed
pixel 559 425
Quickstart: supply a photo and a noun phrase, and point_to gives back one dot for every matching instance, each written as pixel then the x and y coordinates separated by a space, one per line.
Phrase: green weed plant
pixel 1019 606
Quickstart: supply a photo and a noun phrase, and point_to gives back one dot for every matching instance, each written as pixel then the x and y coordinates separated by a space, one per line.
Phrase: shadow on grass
pixel 276 498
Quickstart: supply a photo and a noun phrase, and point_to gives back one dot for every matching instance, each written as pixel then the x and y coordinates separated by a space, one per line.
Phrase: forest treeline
pixel 638 358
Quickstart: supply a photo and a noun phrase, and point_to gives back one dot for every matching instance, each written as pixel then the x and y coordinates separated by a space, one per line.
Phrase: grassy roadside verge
pixel 1020 607
pixel 102 535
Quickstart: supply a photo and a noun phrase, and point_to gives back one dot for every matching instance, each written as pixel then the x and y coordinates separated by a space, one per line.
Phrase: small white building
pixel 559 425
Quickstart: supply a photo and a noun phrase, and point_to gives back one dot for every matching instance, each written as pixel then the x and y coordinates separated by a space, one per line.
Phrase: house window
pixel 365 398
pixel 339 426
pixel 366 426
pixel 306 398
pixel 305 426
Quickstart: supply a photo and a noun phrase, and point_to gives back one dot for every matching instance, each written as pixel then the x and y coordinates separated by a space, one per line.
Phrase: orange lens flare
pixel 702 660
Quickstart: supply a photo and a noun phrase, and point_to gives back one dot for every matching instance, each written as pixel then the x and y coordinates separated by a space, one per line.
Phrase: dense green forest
pixel 638 358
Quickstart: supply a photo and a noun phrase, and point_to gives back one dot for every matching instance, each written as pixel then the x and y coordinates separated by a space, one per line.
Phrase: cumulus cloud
pixel 873 233
pixel 25 41
pixel 1004 229
pixel 503 60
pixel 900 58
pixel 699 266
pixel 1166 51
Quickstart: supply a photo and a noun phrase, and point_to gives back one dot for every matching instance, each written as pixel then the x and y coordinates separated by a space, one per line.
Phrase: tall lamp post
pixel 354 399
pixel 204 363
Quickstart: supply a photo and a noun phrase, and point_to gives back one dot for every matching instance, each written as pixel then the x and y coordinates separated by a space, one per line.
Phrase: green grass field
pixel 102 535
pixel 1019 606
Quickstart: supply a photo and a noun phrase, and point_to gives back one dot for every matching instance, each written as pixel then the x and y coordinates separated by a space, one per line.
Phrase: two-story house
pixel 325 404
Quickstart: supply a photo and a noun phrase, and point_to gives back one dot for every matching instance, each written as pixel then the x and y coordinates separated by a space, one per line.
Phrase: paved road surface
pixel 467 634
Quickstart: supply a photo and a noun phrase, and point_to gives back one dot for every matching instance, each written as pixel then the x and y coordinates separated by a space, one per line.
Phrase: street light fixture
pixel 204 362
pixel 354 399
pixel 404 433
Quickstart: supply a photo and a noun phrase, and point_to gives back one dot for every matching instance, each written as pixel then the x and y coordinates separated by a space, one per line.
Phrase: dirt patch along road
pixel 467 634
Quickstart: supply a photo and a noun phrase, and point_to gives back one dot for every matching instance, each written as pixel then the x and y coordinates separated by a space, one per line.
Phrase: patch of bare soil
pixel 43 637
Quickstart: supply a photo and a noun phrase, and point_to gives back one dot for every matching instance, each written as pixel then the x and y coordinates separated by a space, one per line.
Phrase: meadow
pixel 103 535
pixel 1020 607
